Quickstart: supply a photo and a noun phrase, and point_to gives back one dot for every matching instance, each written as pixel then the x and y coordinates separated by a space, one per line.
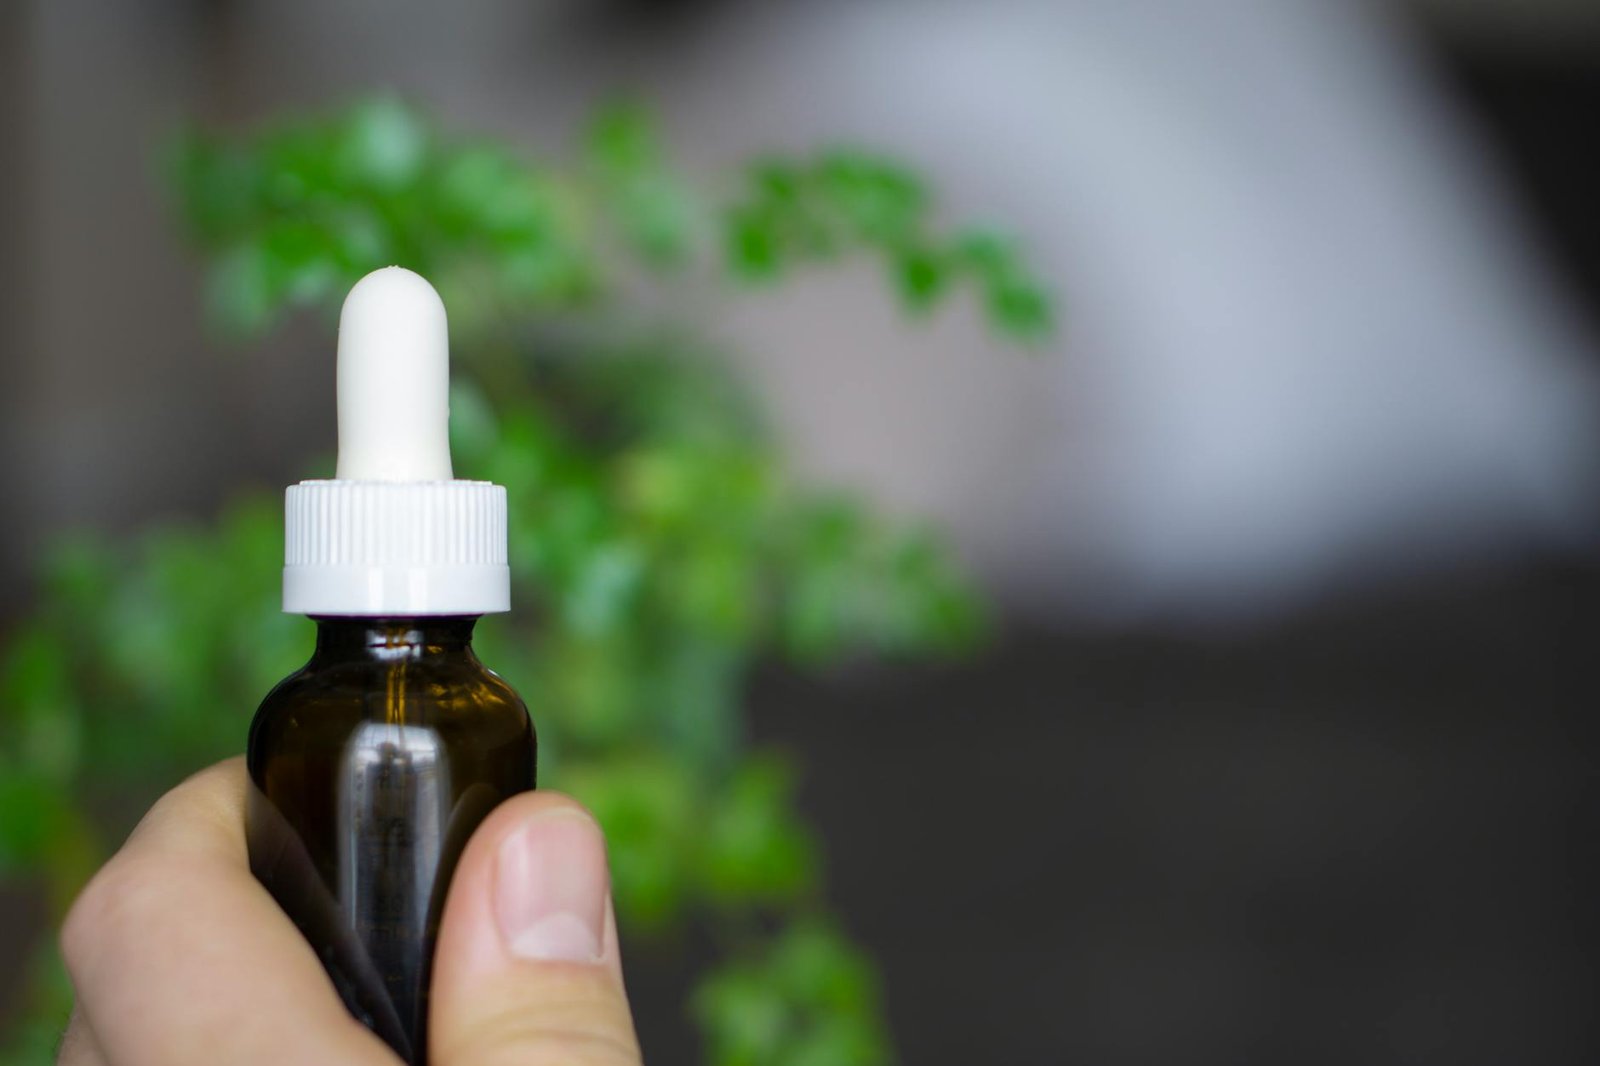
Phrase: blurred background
pixel 1282 747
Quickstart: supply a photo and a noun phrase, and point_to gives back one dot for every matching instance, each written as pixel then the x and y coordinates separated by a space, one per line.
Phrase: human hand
pixel 181 958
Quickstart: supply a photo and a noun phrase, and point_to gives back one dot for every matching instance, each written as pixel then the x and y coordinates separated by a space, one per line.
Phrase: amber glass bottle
pixel 369 769
pixel 372 765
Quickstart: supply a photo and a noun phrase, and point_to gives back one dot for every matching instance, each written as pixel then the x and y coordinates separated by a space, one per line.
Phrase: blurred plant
pixel 653 524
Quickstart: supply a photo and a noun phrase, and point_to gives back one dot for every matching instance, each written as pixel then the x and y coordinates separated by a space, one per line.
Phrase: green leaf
pixel 39 710
pixel 474 426
pixel 383 145
pixel 921 275
pixel 214 185
pixel 754 245
pixel 1016 302
pixel 809 998
pixel 603 588
pixel 622 138
pixel 239 292
pixel 1018 306
pixel 877 199
pixel 986 252
pixel 756 850
pixel 648 808
pixel 657 217
pixel 32 813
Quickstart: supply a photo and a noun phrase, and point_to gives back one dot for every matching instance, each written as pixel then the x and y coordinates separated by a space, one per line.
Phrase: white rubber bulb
pixel 394 380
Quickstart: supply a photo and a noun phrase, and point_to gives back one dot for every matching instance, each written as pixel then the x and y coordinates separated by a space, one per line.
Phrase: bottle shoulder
pixel 462 681
pixel 457 697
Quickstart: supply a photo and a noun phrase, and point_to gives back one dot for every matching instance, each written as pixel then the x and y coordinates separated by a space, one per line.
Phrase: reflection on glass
pixel 393 806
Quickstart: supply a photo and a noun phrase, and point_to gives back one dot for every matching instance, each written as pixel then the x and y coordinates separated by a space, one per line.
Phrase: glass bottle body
pixel 369 769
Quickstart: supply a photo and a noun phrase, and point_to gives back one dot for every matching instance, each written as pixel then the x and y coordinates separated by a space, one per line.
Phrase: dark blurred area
pixel 1364 837
pixel 1313 789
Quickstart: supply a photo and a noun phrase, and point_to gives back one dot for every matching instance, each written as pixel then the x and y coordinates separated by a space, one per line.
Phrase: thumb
pixel 527 971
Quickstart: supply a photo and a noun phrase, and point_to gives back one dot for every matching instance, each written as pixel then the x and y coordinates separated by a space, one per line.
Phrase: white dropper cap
pixel 393 534
pixel 394 380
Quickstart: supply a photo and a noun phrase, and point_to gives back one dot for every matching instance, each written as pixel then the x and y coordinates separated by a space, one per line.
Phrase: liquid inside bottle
pixel 369 769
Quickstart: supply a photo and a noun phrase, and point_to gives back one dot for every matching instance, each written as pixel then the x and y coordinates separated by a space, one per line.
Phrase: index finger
pixel 180 957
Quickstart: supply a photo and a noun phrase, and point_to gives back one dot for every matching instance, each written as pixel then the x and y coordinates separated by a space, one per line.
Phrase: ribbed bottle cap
pixel 392 535
pixel 395 548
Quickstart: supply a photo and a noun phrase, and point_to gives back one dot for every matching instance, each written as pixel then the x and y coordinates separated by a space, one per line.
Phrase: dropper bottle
pixel 371 766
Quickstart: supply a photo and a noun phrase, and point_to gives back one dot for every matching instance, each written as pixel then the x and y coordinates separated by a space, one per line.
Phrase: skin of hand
pixel 180 958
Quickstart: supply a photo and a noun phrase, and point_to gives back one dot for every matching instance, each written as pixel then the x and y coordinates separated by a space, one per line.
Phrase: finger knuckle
pixel 536 1045
pixel 116 901
pixel 579 1032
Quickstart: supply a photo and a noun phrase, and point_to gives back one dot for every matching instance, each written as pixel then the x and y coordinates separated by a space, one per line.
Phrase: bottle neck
pixel 393 639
